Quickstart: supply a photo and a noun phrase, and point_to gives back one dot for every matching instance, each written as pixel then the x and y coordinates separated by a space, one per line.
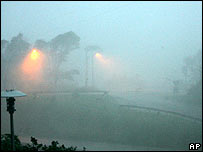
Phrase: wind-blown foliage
pixel 192 70
pixel 12 55
pixel 34 146
pixel 56 52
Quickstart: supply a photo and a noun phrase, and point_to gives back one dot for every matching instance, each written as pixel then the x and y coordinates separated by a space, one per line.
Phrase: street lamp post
pixel 93 70
pixel 86 68
pixel 11 109
pixel 9 95
pixel 90 49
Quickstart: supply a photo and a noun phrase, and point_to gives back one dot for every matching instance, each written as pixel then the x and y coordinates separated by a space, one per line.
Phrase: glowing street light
pixel 92 49
pixel 101 58
pixel 35 54
pixel 33 64
pixel 98 55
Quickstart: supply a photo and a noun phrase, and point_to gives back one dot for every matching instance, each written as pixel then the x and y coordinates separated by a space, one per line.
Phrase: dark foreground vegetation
pixel 34 146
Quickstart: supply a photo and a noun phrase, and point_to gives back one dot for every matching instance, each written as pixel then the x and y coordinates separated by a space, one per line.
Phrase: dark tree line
pixel 56 51
pixel 34 146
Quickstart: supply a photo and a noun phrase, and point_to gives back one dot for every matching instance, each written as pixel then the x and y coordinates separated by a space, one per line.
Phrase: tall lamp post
pixel 92 49
pixel 9 95
pixel 86 68
pixel 93 69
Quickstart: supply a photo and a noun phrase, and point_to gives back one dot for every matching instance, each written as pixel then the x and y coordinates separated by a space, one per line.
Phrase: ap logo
pixel 194 146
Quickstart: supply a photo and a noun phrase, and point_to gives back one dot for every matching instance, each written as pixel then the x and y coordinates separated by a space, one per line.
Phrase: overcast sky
pixel 147 38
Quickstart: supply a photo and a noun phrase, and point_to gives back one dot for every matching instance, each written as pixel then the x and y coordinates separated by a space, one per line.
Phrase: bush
pixel 34 146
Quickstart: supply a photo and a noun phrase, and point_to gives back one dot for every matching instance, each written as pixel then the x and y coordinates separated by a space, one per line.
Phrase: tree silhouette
pixel 192 70
pixel 57 51
pixel 34 146
pixel 13 53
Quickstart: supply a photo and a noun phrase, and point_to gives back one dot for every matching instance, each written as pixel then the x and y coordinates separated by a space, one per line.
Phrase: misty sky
pixel 150 39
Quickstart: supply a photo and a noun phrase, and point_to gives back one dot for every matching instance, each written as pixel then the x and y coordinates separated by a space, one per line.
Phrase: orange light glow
pixel 101 58
pixel 98 55
pixel 32 65
pixel 34 55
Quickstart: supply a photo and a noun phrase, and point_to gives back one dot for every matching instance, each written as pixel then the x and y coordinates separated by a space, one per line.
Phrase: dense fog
pixel 104 75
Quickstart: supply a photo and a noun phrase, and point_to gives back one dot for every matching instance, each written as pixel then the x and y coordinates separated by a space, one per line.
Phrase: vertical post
pixel 12 132
pixel 11 109
pixel 86 72
pixel 93 69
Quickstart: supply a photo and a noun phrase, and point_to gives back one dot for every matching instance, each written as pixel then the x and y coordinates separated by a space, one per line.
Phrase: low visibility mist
pixel 104 75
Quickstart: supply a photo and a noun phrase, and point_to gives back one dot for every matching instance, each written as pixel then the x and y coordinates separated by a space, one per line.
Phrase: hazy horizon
pixel 145 39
